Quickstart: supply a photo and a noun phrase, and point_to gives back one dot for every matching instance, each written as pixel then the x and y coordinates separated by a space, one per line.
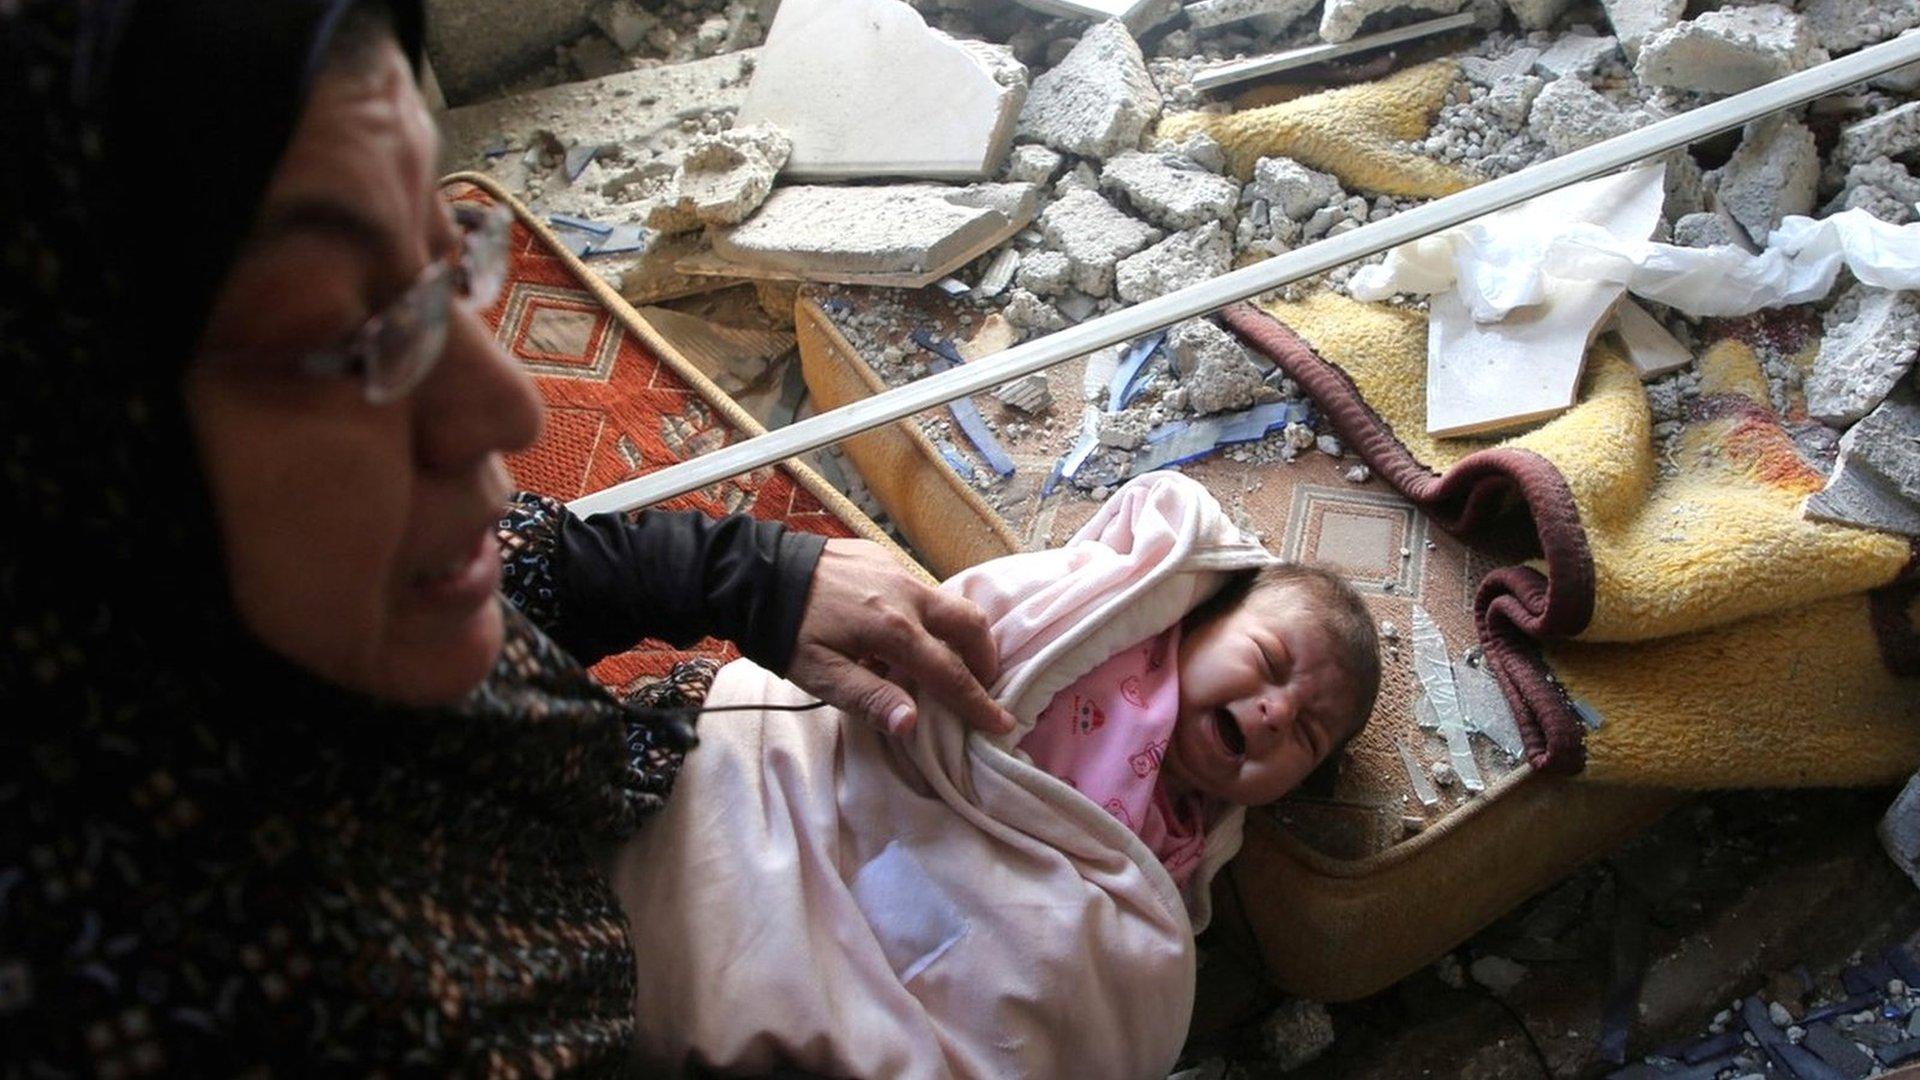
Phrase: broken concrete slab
pixel 1887 441
pixel 1094 237
pixel 1650 346
pixel 1882 188
pixel 1183 259
pixel 624 109
pixel 1291 189
pixel 1859 497
pixel 1774 173
pixel 1045 273
pixel 1870 337
pixel 722 178
pixel 653 277
pixel 1729 50
pixel 1167 192
pixel 1511 99
pixel 866 88
pixel 1708 229
pixel 1486 70
pixel 1634 21
pixel 1845 25
pixel 1097 101
pixel 906 235
pixel 1342 19
pixel 1214 366
pixel 1575 54
pixel 1282 13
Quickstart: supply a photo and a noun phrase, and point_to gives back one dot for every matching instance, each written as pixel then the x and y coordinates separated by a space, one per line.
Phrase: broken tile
pixel 907 235
pixel 1097 101
pixel 1869 341
pixel 1845 25
pixel 1772 174
pixel 1650 346
pixel 1859 497
pixel 1484 377
pixel 1029 394
pixel 1094 237
pixel 1341 19
pixel 1634 21
pixel 866 88
pixel 1167 194
pixel 998 274
pixel 1729 50
pixel 1432 664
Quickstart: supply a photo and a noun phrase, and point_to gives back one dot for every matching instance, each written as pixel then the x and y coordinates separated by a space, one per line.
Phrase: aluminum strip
pixel 1194 300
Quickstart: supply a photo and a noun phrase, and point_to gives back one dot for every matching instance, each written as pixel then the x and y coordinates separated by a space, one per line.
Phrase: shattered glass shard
pixel 1431 662
pixel 1417 777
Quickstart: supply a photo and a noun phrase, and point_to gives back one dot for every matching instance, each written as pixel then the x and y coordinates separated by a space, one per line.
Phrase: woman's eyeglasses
pixel 395 349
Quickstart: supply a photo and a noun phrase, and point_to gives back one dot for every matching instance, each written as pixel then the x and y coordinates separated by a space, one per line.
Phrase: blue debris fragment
pixel 623 238
pixel 1182 441
pixel 1842 1007
pixel 497 150
pixel 578 158
pixel 966 415
pixel 1904 965
pixel 837 305
pixel 1712 1047
pixel 569 221
pixel 1125 385
pixel 956 460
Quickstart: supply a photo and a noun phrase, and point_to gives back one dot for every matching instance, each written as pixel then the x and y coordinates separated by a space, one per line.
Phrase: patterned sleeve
pixel 529 535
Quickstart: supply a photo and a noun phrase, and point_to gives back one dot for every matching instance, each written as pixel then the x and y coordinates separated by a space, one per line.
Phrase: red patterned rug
pixel 619 406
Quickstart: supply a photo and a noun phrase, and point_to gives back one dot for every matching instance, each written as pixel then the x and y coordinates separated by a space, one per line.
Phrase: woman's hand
pixel 872 632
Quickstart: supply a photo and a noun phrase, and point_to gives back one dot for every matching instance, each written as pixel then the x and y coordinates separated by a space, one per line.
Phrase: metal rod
pixel 1241 70
pixel 1194 300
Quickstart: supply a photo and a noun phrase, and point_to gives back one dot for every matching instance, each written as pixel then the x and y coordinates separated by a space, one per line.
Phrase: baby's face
pixel 1262 701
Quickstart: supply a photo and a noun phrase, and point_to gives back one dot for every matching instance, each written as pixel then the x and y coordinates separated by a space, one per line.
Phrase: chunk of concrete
pixel 1844 25
pixel 1214 367
pixel 1033 164
pixel 1870 339
pixel 1729 50
pixel 1045 273
pixel 1707 229
pixel 1282 13
pixel 1342 19
pixel 625 23
pixel 1511 99
pixel 1568 114
pixel 1167 194
pixel 723 178
pixel 1882 188
pixel 1183 259
pixel 1291 189
pixel 1891 134
pixel 1097 101
pixel 1576 54
pixel 1138 15
pixel 1857 496
pixel 906 235
pixel 1094 237
pixel 1486 70
pixel 1634 21
pixel 474 49
pixel 1296 1033
pixel 1887 440
pixel 1537 14
pixel 1773 173
pixel 866 88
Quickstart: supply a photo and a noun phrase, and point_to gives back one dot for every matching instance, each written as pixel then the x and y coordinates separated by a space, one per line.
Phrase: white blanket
pixel 823 895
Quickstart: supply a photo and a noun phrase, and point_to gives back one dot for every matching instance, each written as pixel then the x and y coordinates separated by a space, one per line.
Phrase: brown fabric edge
pixel 1496 495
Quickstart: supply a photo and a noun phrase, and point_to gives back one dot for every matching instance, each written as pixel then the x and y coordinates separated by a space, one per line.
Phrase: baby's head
pixel 1277 672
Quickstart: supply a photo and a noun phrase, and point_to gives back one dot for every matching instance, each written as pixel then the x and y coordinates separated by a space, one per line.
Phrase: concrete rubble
pixel 1634 21
pixel 1097 101
pixel 1183 259
pixel 1094 237
pixel 1729 50
pixel 1871 336
pixel 866 234
pixel 1887 442
pixel 1537 14
pixel 722 178
pixel 1882 188
pixel 1296 1033
pixel 1217 371
pixel 1033 164
pixel 1845 25
pixel 1275 14
pixel 1169 190
pixel 1576 54
pixel 1569 115
pixel 1342 19
pixel 1891 134
pixel 1773 173
pixel 864 88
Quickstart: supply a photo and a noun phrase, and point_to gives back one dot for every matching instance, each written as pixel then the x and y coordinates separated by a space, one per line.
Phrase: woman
pixel 285 784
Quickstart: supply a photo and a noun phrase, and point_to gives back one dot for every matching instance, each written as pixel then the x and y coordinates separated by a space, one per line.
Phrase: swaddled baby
pixel 1235 704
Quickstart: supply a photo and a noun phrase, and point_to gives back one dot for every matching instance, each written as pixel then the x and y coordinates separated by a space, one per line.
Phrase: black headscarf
pixel 209 859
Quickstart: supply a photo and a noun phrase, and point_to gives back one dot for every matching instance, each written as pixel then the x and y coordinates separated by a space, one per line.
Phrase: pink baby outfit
pixel 1107 735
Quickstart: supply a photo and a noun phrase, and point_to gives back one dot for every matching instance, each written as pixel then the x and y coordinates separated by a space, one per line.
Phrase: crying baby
pixel 1235 704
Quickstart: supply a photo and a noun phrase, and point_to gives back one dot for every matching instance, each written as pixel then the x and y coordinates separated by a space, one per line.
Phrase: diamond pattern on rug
pixel 615 411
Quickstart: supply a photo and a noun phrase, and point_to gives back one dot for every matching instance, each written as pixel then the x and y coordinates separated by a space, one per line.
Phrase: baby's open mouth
pixel 1230 732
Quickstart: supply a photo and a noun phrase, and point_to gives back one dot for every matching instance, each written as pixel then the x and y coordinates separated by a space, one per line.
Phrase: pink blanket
pixel 820 894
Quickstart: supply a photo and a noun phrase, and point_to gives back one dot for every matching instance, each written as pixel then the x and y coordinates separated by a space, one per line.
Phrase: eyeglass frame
pixel 473 277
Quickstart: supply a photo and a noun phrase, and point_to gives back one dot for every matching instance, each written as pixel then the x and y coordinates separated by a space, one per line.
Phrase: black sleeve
pixel 681 576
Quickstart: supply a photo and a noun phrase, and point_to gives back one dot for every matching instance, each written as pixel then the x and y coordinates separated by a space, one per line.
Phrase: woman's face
pixel 358 537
